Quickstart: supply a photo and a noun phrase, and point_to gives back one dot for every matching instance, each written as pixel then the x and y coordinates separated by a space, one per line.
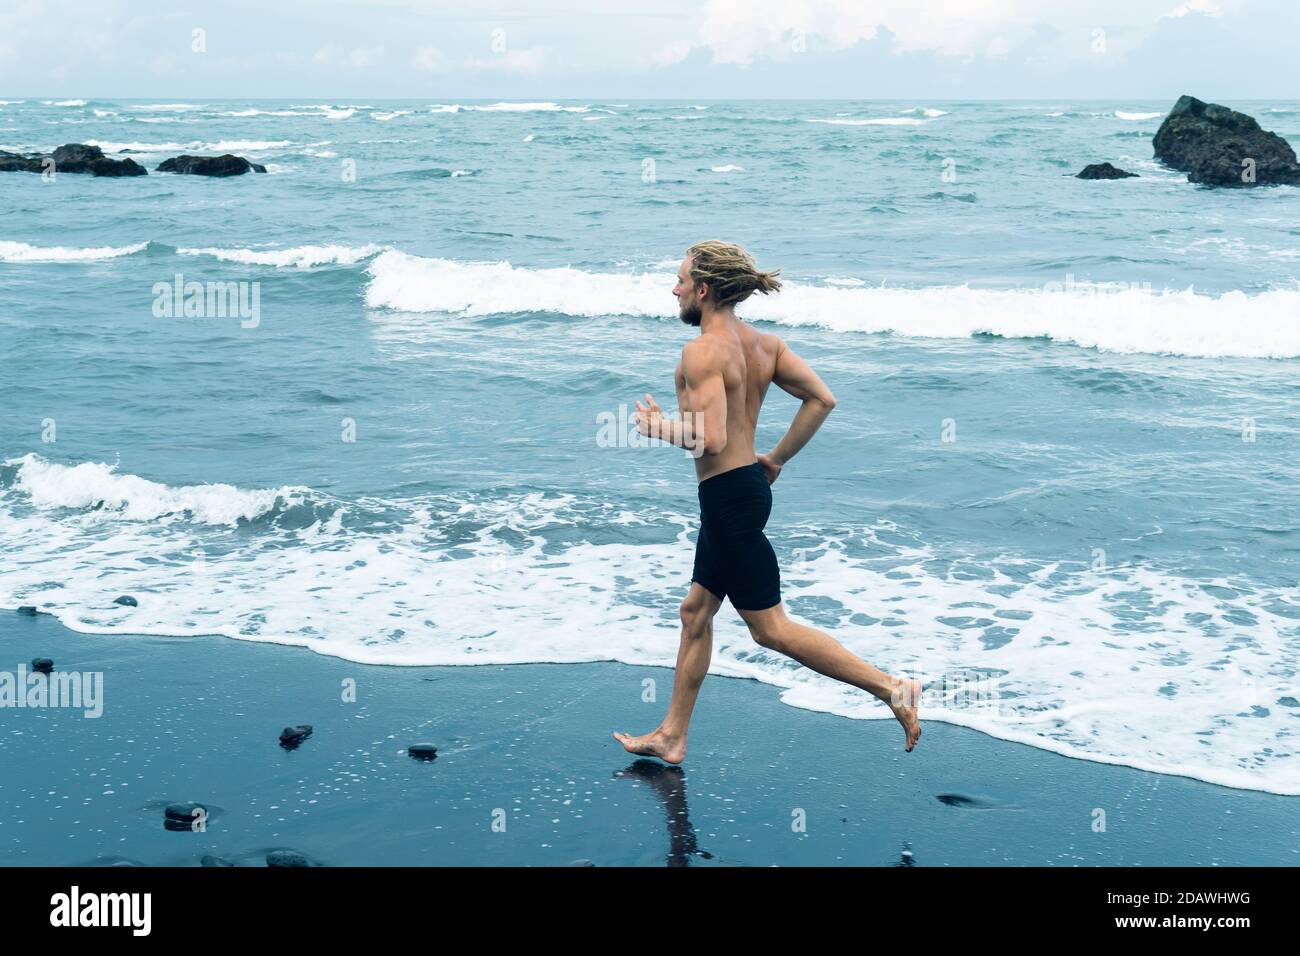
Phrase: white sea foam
pixel 22 252
pixel 300 257
pixel 504 107
pixel 64 102
pixel 332 112
pixel 1106 317
pixel 197 146
pixel 168 106
pixel 878 121
pixel 1131 665
pixel 98 487
pixel 926 110
pixel 257 112
pixel 1120 114
pixel 385 117
pixel 728 168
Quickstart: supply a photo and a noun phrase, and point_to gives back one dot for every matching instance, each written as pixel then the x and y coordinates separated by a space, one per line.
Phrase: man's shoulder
pixel 705 349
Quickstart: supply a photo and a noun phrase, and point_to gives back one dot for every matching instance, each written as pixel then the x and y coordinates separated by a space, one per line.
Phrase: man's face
pixel 688 305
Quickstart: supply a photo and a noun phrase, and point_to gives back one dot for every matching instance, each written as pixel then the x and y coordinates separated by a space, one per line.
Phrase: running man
pixel 721 380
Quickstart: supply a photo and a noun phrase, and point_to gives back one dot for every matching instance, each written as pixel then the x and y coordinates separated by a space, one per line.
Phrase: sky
pixel 1218 50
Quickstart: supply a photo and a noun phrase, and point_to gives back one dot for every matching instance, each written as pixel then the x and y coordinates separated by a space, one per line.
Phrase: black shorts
pixel 732 555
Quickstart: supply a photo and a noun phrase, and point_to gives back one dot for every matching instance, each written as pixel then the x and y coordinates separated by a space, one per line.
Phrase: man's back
pixel 747 361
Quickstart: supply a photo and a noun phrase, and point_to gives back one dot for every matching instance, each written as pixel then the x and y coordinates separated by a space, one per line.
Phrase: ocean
pixel 1061 484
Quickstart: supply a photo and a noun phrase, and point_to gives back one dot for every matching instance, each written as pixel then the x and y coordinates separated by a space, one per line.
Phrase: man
pixel 721 380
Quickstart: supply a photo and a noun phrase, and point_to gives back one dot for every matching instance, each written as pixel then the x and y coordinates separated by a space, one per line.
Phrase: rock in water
pixel 1103 171
pixel 29 609
pixel 78 158
pixel 227 165
pixel 1221 147
pixel 291 737
pixel 42 664
pixel 71 158
pixel 126 601
pixel 183 811
pixel 422 751
pixel 182 817
pixel 285 858
pixel 214 861
pixel 17 163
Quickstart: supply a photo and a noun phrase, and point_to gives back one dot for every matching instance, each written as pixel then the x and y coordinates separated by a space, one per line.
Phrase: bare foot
pixel 905 702
pixel 655 744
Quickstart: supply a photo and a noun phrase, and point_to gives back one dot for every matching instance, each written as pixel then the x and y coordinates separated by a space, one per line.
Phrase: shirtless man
pixel 721 380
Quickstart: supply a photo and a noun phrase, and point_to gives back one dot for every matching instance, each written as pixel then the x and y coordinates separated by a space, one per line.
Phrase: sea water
pixel 1060 485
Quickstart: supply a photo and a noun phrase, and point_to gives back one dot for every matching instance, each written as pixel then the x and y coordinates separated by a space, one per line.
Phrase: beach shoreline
pixel 527 774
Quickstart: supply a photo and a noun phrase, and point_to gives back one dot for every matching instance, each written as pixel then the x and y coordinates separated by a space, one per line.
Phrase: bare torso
pixel 747 360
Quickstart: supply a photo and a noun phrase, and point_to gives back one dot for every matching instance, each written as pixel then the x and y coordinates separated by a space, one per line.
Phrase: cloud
pixel 1207 7
pixel 531 60
pixel 358 58
pixel 741 32
pixel 429 59
pixel 365 56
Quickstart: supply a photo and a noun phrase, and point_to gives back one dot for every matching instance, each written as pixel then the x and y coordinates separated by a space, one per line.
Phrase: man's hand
pixel 770 468
pixel 649 418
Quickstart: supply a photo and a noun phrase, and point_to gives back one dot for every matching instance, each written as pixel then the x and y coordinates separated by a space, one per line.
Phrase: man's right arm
pixel 793 375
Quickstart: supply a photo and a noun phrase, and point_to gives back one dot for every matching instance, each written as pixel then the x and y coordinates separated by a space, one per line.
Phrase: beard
pixel 691 315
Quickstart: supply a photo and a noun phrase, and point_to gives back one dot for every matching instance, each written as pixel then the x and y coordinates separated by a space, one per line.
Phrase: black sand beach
pixel 529 746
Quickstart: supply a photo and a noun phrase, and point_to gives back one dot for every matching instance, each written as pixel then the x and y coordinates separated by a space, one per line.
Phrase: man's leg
pixel 820 652
pixel 668 741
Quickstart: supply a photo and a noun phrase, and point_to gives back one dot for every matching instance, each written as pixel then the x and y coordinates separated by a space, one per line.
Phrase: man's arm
pixel 706 397
pixel 795 376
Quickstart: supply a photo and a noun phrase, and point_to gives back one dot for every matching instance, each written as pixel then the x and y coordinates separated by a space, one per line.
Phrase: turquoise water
pixel 1062 471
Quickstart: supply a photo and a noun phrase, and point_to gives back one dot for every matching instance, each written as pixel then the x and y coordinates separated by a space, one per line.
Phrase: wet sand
pixel 527 774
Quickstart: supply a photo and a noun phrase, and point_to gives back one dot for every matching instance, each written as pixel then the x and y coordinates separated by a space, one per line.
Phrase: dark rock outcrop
pixel 126 601
pixel 76 158
pixel 422 751
pixel 182 817
pixel 72 158
pixel 291 737
pixel 42 665
pixel 227 165
pixel 1221 147
pixel 18 163
pixel 279 858
pixel 1103 171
